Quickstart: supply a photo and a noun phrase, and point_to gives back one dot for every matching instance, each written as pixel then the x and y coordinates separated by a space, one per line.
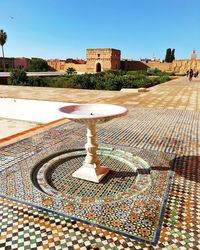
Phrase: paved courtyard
pixel 156 210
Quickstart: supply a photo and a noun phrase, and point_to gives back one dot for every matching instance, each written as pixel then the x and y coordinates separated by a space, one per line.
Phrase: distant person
pixel 187 73
pixel 196 74
pixel 191 73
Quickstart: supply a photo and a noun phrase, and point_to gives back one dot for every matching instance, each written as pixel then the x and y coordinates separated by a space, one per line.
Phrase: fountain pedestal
pixel 91 169
pixel 90 115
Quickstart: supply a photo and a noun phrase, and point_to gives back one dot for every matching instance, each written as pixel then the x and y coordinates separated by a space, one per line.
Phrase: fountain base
pixel 90 172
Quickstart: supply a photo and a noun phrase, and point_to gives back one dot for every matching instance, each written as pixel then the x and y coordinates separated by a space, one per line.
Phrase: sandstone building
pixel 103 59
pixel 97 60
pixel 100 59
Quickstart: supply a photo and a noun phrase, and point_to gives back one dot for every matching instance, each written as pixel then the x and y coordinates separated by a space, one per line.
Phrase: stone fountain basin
pixel 93 112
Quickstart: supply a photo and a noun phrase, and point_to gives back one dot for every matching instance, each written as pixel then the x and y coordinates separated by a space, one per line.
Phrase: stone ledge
pixel 143 90
pixel 135 90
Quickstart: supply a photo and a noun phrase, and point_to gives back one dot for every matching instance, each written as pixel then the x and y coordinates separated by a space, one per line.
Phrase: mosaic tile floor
pixel 165 215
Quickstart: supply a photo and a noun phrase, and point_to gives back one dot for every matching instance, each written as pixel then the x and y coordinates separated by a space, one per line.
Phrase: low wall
pixel 164 66
pixel 133 65
pixel 62 66
pixel 4 80
pixel 140 65
pixel 77 67
pixel 178 66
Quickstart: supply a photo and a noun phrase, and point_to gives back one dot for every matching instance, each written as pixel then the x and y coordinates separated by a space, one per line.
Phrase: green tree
pixel 38 65
pixel 172 55
pixel 71 71
pixel 3 38
pixel 168 55
pixel 18 77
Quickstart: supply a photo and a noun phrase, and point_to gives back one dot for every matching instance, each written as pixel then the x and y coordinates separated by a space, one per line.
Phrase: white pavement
pixel 31 110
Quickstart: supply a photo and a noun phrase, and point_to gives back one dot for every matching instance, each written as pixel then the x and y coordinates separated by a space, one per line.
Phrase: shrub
pixel 110 80
pixel 137 73
pixel 80 81
pixel 162 79
pixel 36 81
pixel 18 77
pixel 38 65
pixel 71 71
pixel 56 82
pixel 154 71
pixel 158 72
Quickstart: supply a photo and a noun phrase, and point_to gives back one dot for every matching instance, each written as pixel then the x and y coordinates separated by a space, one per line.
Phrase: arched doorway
pixel 98 67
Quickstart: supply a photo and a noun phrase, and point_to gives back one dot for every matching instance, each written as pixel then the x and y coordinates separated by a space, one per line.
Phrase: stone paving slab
pixel 175 94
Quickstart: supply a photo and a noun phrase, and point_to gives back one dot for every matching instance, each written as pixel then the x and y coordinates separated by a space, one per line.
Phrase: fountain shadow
pixel 188 166
pixel 118 176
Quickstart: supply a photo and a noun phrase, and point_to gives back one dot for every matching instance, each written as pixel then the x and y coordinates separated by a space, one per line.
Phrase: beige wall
pixel 62 66
pixel 109 59
pixel 140 65
pixel 58 65
pixel 181 66
pixel 77 67
pixel 178 66
pixel 164 66
pixel 133 65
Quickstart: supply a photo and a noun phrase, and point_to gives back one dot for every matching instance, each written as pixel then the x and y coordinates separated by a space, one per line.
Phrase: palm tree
pixel 3 38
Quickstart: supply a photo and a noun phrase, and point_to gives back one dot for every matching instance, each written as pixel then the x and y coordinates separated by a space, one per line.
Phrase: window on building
pixel 98 55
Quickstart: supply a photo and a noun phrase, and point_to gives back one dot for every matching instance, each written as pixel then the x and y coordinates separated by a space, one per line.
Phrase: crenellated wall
pixel 181 66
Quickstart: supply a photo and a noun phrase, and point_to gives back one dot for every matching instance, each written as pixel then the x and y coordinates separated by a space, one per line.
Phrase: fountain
pixel 90 115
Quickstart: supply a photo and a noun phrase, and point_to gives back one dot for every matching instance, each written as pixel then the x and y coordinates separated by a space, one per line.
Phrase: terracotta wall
pixel 21 62
pixel 9 62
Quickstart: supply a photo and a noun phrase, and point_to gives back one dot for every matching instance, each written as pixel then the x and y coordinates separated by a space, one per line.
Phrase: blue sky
pixel 65 28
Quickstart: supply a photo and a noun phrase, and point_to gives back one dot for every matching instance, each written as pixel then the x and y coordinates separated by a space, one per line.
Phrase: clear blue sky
pixel 65 28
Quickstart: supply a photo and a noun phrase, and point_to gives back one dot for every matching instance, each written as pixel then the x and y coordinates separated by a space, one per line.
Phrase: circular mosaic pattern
pixel 128 175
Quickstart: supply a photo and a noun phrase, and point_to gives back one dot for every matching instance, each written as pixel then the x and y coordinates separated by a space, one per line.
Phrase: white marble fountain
pixel 90 115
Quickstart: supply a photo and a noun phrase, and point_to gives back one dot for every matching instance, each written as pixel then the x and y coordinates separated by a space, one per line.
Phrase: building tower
pixel 103 59
pixel 193 55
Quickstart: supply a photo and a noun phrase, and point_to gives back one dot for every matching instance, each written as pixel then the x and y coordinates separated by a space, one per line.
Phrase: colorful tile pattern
pixel 121 202
pixel 128 176
pixel 153 137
